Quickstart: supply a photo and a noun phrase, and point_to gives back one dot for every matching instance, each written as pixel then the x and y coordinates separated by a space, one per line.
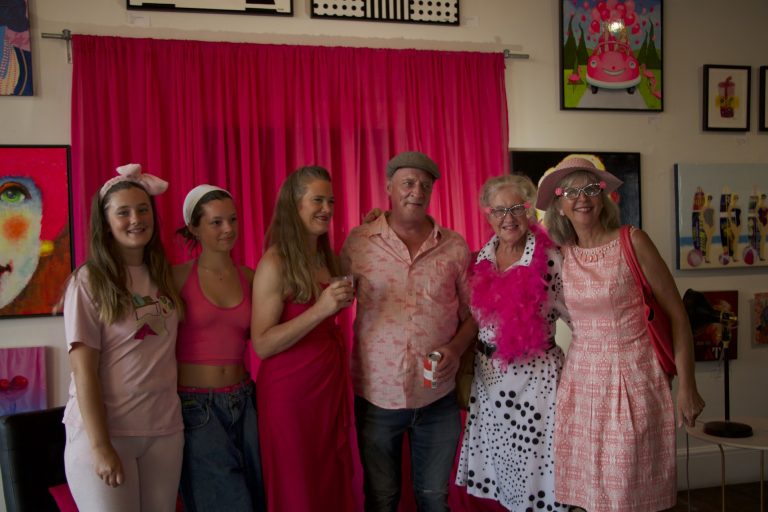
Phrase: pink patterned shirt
pixel 405 309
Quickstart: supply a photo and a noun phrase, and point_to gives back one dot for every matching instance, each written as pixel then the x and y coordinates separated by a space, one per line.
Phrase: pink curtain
pixel 242 116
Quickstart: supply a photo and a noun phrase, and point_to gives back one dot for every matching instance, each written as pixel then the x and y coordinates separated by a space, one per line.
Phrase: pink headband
pixel 132 172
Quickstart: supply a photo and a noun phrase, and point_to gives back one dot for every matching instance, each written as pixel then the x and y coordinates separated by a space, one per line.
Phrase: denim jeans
pixel 433 433
pixel 221 469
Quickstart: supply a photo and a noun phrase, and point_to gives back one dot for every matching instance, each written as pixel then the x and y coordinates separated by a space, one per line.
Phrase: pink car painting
pixel 612 66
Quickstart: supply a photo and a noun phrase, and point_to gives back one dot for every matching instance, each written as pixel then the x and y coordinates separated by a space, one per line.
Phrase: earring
pixel 562 214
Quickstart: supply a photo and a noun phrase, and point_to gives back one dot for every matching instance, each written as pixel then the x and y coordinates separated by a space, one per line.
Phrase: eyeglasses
pixel 516 210
pixel 573 193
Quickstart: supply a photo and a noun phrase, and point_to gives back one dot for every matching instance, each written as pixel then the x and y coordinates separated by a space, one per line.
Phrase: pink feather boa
pixel 512 301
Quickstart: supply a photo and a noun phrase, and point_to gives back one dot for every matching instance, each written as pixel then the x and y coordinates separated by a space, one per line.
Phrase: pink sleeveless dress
pixel 614 421
pixel 302 396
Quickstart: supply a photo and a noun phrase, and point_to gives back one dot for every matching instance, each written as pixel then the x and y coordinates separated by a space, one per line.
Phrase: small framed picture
pixel 708 338
pixel 760 319
pixel 727 90
pixel 763 104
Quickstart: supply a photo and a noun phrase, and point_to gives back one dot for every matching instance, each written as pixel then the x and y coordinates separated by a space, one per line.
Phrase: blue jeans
pixel 221 469
pixel 433 432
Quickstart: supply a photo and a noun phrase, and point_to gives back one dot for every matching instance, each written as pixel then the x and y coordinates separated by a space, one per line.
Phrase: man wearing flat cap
pixel 412 300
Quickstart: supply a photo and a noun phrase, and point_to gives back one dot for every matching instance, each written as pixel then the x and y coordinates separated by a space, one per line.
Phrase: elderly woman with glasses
pixel 614 434
pixel 516 298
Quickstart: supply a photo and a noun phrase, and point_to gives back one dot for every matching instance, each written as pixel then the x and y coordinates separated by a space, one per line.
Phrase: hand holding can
pixel 430 367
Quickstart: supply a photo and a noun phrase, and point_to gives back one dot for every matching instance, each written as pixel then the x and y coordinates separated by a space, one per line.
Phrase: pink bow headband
pixel 132 172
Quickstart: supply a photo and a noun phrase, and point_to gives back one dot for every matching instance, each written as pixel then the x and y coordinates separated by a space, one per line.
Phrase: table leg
pixel 722 476
pixel 762 494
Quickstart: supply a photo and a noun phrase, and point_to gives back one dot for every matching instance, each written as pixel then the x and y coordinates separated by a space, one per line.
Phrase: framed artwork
pixel 270 7
pixel 707 345
pixel 726 98
pixel 722 215
pixel 404 11
pixel 763 117
pixel 15 50
pixel 611 55
pixel 35 238
pixel 760 319
pixel 625 166
pixel 22 380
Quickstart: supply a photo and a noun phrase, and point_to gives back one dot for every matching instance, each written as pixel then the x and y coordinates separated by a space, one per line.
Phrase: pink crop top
pixel 211 334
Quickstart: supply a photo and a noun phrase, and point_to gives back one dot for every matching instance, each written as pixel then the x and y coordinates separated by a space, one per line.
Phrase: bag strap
pixel 631 258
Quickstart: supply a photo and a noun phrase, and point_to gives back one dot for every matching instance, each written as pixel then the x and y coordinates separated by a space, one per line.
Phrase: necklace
pixel 220 275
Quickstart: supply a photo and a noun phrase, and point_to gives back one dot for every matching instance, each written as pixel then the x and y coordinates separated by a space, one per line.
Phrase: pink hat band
pixel 550 182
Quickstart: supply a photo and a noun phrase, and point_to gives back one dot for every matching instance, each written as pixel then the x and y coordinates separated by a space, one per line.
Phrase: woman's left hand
pixel 689 406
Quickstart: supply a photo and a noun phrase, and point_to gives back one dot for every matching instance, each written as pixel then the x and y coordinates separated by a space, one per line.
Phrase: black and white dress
pixel 507 451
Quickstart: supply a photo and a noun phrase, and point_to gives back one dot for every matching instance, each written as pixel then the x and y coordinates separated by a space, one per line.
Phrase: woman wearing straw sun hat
pixel 614 431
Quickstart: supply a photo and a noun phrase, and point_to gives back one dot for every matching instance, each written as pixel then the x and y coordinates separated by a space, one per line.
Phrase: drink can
pixel 430 366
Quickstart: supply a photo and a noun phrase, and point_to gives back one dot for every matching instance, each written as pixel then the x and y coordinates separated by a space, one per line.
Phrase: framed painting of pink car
pixel 611 55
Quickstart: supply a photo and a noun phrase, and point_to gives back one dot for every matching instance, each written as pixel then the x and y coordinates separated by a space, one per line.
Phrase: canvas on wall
pixel 275 7
pixel 707 344
pixel 22 380
pixel 760 319
pixel 611 55
pixel 722 215
pixel 444 12
pixel 625 166
pixel 15 50
pixel 35 239
pixel 727 91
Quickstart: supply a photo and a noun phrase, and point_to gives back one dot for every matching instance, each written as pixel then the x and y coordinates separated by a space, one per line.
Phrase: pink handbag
pixel 657 321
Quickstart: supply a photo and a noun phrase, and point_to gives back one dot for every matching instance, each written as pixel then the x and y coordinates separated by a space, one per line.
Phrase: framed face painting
pixel 35 239
pixel 625 166
pixel 722 216
pixel 273 7
pixel 726 95
pixel 611 55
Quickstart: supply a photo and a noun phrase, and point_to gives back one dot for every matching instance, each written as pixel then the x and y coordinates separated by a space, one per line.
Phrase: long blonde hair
pixel 289 236
pixel 106 270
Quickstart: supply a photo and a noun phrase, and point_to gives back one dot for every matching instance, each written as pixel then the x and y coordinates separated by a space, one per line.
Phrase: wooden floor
pixel 738 498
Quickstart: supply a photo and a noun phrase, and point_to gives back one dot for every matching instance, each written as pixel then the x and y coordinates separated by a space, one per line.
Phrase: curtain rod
pixel 511 55
pixel 66 35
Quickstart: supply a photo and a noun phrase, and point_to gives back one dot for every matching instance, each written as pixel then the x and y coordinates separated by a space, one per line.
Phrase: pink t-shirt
pixel 405 309
pixel 137 364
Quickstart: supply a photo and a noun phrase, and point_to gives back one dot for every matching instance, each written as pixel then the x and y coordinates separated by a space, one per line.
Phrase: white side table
pixel 758 441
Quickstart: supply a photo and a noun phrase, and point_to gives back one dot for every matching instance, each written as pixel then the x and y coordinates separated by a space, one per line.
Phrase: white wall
pixel 696 32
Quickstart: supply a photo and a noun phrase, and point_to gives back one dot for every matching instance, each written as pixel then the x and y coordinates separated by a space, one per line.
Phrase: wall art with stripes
pixel 274 7
pixel 440 12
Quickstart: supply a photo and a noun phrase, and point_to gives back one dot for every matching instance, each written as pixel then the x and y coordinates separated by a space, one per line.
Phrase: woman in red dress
pixel 303 384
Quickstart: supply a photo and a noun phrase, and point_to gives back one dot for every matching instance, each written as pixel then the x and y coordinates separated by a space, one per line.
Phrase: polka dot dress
pixel 506 452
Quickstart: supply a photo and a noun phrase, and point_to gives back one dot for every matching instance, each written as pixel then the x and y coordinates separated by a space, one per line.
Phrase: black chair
pixel 32 459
